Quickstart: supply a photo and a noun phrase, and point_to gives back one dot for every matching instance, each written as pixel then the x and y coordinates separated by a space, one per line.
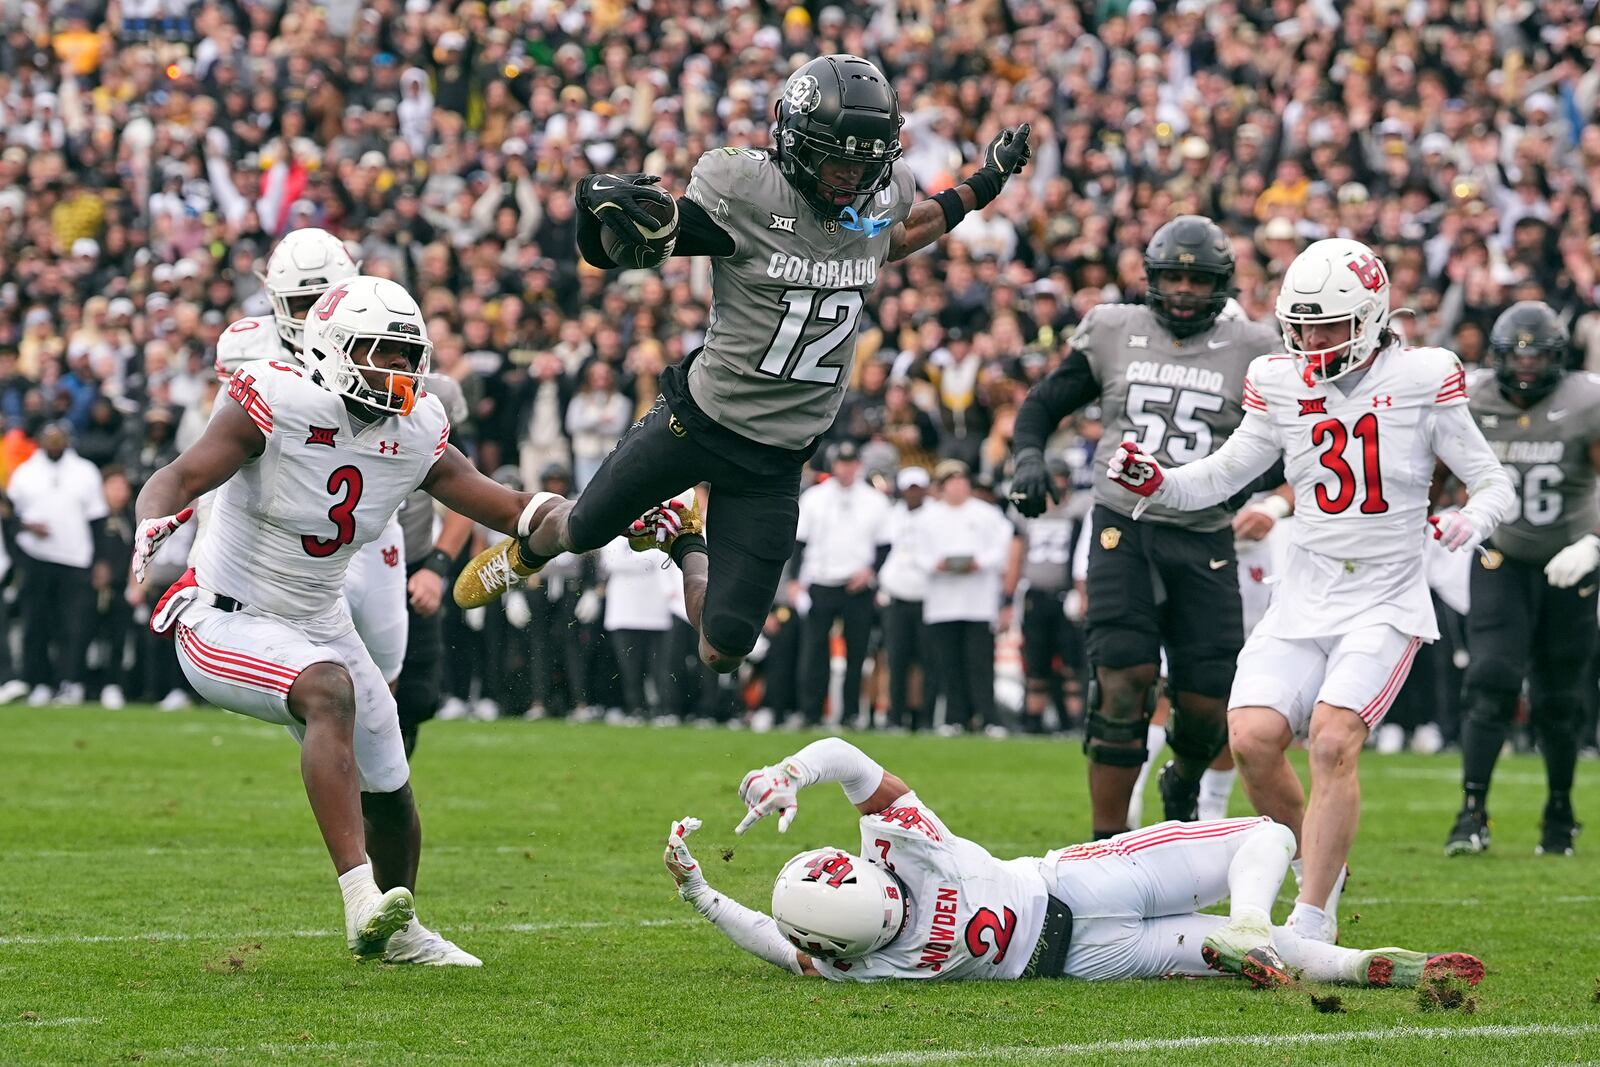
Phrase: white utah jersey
pixel 1360 460
pixel 282 530
pixel 970 916
pixel 248 340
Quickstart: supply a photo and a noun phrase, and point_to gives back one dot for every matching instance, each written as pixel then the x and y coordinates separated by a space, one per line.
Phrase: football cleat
pixel 1556 832
pixel 1244 947
pixel 369 929
pixel 660 527
pixel 1470 834
pixel 1180 800
pixel 1400 968
pixel 491 574
pixel 420 945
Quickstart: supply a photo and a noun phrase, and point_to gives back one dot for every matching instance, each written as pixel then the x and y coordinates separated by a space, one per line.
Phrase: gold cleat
pixel 653 530
pixel 491 574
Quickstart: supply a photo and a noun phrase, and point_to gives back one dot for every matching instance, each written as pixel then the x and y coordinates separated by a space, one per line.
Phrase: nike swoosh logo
pixel 1218 564
pixel 1216 344
pixel 1557 416
pixel 601 188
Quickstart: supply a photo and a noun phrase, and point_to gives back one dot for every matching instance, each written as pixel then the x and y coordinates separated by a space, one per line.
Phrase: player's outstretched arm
pixel 931 219
pixel 775 789
pixel 458 485
pixel 1248 454
pixel 751 930
pixel 620 202
pixel 1071 386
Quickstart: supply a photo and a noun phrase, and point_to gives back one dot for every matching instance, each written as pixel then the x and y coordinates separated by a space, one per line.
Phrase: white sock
pixel 1311 918
pixel 1331 905
pixel 1155 739
pixel 1299 869
pixel 1317 960
pixel 1256 872
pixel 357 885
pixel 1215 789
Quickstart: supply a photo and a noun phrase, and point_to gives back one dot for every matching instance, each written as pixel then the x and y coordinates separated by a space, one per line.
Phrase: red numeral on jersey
pixel 346 480
pixel 1336 437
pixel 330 300
pixel 836 868
pixel 986 921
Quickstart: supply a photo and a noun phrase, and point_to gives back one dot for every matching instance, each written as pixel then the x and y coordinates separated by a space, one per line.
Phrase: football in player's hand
pixel 656 236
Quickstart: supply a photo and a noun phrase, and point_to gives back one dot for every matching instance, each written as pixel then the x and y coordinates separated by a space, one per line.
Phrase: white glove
pixel 681 864
pixel 588 607
pixel 1455 531
pixel 518 614
pixel 1569 566
pixel 768 790
pixel 152 532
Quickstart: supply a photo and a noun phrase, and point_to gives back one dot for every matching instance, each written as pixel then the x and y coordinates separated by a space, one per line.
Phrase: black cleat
pixel 1470 834
pixel 1556 832
pixel 1180 800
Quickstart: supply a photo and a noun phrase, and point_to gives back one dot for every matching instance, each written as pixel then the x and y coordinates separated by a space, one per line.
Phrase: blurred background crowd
pixel 151 151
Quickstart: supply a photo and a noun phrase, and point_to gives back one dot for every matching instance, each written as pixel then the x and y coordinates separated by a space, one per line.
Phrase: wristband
pixel 949 202
pixel 437 561
pixel 1276 506
pixel 685 544
pixel 985 186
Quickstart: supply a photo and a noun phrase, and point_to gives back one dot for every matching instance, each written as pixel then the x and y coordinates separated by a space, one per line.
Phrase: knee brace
pixel 728 633
pixel 1492 709
pixel 1198 735
pixel 1491 673
pixel 1203 672
pixel 1107 737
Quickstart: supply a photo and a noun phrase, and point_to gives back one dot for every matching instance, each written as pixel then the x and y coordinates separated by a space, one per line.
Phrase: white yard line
pixel 1018 1053
pixel 21 1024
pixel 157 936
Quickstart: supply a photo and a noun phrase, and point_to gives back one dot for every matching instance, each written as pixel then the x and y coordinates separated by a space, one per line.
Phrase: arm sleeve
pixel 1457 441
pixel 756 933
pixel 1246 456
pixel 1063 391
pixel 833 759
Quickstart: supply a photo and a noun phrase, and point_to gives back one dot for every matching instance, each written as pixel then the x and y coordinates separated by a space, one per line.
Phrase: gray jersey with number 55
pixel 785 305
pixel 1180 399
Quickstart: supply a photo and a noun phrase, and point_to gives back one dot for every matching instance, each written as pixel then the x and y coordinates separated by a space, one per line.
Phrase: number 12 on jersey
pixel 842 308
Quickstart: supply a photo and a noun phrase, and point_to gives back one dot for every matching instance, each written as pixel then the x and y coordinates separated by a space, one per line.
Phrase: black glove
pixel 1031 484
pixel 1008 152
pixel 614 199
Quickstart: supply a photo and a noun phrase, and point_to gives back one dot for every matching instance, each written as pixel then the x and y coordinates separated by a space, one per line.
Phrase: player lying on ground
pixel 797 237
pixel 1358 418
pixel 920 902
pixel 313 458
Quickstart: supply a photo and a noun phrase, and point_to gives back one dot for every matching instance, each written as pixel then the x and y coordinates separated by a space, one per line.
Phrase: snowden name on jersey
pixel 823 273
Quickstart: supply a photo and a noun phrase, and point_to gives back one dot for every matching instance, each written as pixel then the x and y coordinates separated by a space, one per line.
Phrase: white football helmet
pixel 357 321
pixel 837 906
pixel 1336 280
pixel 301 268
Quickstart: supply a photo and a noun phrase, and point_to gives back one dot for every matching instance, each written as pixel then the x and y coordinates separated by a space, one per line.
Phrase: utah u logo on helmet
pixel 1369 271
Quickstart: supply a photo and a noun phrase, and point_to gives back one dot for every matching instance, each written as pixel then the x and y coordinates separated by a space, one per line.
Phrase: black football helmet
pixel 837 108
pixel 1189 243
pixel 1529 348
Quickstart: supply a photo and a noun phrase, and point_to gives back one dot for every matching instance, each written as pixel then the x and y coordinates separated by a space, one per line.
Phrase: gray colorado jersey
pixel 416 514
pixel 785 304
pixel 1179 399
pixel 1545 449
pixel 1047 566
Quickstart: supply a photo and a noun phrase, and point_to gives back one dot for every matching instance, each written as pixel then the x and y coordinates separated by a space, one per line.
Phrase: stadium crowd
pixel 151 152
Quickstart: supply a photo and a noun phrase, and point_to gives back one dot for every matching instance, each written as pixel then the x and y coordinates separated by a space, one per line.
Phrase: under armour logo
pixel 322 435
pixel 391 557
pixel 1315 406
pixel 1369 271
pixel 1383 401
pixel 388 448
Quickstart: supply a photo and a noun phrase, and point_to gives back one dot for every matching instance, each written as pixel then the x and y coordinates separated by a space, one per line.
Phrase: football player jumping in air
pixel 797 235
pixel 918 901
pixel 1168 375
pixel 1358 419
pixel 1533 616
pixel 312 458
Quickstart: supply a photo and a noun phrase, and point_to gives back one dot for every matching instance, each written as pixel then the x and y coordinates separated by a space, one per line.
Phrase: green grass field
pixel 164 898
